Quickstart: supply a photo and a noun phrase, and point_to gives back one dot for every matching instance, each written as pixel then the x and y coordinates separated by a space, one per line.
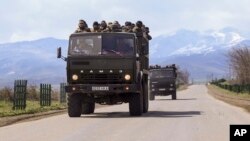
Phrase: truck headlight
pixel 74 77
pixel 127 77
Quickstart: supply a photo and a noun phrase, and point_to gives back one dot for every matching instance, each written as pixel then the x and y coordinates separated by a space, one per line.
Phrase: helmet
pixel 95 23
pixel 81 21
pixel 139 24
pixel 103 23
pixel 127 23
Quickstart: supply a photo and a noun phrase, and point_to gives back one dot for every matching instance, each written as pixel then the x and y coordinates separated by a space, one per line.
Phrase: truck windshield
pixel 93 45
pixel 162 73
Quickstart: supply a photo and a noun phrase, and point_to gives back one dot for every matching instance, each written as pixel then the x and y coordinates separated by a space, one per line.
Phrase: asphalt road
pixel 195 116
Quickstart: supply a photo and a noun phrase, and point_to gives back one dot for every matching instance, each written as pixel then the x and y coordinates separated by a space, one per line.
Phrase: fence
pixel 62 93
pixel 21 93
pixel 45 94
pixel 19 100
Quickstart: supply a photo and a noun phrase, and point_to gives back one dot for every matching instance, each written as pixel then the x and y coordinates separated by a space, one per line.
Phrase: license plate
pixel 95 88
pixel 162 89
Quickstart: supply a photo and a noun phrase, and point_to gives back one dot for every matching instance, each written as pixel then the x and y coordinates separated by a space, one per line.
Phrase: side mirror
pixel 59 52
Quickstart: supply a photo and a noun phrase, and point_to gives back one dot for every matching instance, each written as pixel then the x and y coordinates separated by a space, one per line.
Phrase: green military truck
pixel 163 81
pixel 106 68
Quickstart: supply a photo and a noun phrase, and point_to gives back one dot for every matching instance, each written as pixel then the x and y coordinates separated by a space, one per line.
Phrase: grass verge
pixel 31 108
pixel 237 99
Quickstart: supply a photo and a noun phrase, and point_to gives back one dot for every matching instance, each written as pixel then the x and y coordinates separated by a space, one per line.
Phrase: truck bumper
pixel 101 88
pixel 162 91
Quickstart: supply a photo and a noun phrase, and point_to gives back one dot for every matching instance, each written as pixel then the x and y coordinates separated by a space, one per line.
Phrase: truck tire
pixel 74 105
pixel 136 104
pixel 145 97
pixel 88 107
pixel 151 96
pixel 174 95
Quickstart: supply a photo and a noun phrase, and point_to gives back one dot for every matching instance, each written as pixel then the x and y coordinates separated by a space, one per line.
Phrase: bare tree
pixel 183 76
pixel 239 59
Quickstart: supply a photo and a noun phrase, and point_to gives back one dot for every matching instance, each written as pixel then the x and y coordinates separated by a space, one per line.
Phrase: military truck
pixel 163 81
pixel 106 68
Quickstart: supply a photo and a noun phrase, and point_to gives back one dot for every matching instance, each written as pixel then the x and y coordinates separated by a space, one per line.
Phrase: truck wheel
pixel 151 96
pixel 74 105
pixel 174 95
pixel 136 104
pixel 145 98
pixel 88 107
pixel 92 107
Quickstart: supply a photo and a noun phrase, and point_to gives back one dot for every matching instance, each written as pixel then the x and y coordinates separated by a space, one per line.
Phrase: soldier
pixel 104 27
pixel 96 27
pixel 82 27
pixel 132 26
pixel 110 25
pixel 127 27
pixel 138 27
pixel 146 34
pixel 116 27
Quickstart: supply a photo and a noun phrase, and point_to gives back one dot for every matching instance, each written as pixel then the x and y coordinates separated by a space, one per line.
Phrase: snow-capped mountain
pixel 186 42
pixel 201 53
pixel 32 60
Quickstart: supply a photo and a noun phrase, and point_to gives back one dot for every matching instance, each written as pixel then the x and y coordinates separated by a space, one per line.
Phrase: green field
pixel 31 108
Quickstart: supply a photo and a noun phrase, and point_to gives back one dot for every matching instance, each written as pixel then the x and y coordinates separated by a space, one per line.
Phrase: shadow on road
pixel 172 113
pixel 176 99
pixel 156 114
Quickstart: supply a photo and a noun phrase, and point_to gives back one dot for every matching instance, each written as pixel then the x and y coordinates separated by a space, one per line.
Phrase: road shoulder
pixel 233 100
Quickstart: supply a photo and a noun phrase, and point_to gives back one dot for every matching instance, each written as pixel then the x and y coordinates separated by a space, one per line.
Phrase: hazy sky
pixel 33 19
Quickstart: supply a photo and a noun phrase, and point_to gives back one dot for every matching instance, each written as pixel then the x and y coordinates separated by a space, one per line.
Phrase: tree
pixel 239 60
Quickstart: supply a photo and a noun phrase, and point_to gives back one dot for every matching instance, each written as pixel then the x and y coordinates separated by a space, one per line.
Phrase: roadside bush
pixel 55 95
pixel 6 94
pixel 32 92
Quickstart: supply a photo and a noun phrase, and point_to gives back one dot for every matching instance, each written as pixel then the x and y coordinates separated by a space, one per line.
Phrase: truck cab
pixel 105 68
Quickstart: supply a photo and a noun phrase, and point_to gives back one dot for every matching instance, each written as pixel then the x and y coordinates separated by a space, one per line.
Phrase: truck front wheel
pixel 136 104
pixel 145 97
pixel 151 96
pixel 74 105
pixel 174 95
pixel 88 107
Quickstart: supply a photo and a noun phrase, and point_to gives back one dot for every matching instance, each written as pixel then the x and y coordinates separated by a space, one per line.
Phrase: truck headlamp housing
pixel 75 77
pixel 127 77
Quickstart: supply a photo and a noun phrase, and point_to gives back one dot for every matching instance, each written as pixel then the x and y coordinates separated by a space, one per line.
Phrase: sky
pixel 23 20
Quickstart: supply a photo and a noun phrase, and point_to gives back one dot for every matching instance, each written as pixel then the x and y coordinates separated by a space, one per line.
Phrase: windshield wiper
pixel 112 51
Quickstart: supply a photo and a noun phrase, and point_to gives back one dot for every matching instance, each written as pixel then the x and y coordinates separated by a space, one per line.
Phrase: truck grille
pixel 102 78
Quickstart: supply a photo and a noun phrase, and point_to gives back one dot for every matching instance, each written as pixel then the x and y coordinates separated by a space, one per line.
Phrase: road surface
pixel 195 116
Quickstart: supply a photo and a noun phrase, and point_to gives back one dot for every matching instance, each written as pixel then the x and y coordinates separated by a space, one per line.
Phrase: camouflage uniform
pixel 138 29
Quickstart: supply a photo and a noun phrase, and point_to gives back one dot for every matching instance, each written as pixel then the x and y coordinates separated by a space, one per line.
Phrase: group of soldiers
pixel 115 26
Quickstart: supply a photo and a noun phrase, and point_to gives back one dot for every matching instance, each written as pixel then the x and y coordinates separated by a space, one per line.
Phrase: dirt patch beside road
pixel 28 117
pixel 231 99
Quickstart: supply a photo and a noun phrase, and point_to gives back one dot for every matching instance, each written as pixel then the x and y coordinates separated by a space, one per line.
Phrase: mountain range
pixel 201 53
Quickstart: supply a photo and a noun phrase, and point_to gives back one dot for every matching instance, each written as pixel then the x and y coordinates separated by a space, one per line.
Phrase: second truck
pixel 163 81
